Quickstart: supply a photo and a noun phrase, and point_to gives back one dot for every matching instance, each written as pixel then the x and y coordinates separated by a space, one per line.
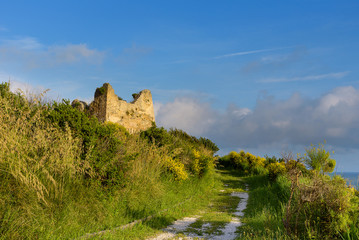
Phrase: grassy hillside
pixel 64 174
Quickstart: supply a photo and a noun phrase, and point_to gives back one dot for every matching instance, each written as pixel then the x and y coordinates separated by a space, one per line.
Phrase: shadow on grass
pixel 231 178
pixel 160 222
pixel 202 228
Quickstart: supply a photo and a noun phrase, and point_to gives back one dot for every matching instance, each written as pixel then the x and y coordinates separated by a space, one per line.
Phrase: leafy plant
pixel 318 159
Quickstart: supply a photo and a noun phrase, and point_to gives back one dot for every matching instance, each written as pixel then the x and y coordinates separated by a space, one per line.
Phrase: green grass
pixel 215 209
pixel 220 211
pixel 265 208
pixel 188 199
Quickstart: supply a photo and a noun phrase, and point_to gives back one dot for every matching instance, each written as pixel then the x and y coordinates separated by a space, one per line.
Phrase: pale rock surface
pixel 135 116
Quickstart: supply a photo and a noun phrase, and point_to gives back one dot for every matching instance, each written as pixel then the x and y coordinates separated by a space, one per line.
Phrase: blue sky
pixel 263 76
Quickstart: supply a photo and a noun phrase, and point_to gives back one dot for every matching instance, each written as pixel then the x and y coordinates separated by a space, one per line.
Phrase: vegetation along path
pixel 219 220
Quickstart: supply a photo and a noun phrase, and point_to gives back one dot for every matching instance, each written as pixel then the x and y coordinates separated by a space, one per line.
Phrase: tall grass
pixel 37 161
pixel 265 208
pixel 63 174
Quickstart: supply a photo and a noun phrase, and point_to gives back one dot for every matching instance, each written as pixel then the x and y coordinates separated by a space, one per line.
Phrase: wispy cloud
pixel 337 75
pixel 25 43
pixel 74 53
pixel 133 54
pixel 275 61
pixel 31 53
pixel 230 55
pixel 248 52
pixel 3 29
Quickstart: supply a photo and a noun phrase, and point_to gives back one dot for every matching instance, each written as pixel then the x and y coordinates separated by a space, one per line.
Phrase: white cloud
pixel 296 121
pixel 30 53
pixel 185 113
pixel 156 107
pixel 337 75
pixel 346 95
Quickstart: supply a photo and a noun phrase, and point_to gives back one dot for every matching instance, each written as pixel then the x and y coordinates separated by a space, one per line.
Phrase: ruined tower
pixel 135 116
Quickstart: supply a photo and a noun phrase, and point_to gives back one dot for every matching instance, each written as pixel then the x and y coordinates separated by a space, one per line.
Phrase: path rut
pixel 179 229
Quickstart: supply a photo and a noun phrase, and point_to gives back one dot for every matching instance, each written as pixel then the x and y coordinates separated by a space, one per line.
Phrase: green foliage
pixel 101 143
pixel 318 159
pixel 272 159
pixel 264 213
pixel 275 169
pixel 135 95
pixel 195 154
pixel 63 173
pixel 177 137
pixel 202 163
pixel 176 168
pixel 100 91
pixel 321 208
pixel 246 163
pixel 315 207
pixel 158 136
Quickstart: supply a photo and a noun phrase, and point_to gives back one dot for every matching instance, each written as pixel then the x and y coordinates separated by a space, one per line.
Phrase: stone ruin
pixel 135 116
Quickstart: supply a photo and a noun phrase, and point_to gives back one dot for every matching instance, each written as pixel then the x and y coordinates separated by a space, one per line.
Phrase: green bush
pixel 321 208
pixel 101 143
pixel 246 163
pixel 275 169
pixel 318 159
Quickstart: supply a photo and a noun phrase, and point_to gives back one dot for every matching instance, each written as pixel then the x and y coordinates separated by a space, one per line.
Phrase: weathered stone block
pixel 135 116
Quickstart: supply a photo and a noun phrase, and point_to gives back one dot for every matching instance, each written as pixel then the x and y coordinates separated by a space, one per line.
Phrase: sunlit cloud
pixel 296 121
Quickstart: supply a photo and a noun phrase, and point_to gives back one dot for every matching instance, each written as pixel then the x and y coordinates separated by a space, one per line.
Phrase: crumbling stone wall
pixel 135 116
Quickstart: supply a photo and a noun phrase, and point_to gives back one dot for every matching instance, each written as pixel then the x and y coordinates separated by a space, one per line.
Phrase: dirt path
pixel 219 222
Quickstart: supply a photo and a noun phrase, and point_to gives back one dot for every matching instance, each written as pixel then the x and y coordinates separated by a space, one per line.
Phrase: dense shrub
pixel 318 159
pixel 176 168
pixel 246 163
pixel 202 163
pixel 177 138
pixel 196 155
pixel 320 207
pixel 275 169
pixel 101 143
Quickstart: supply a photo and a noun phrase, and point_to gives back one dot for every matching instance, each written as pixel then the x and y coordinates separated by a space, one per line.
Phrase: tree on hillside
pixel 318 159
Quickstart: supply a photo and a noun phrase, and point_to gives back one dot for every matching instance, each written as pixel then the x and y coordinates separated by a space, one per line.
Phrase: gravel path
pixel 229 231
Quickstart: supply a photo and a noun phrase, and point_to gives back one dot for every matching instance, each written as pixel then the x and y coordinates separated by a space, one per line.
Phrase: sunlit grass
pixel 265 208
